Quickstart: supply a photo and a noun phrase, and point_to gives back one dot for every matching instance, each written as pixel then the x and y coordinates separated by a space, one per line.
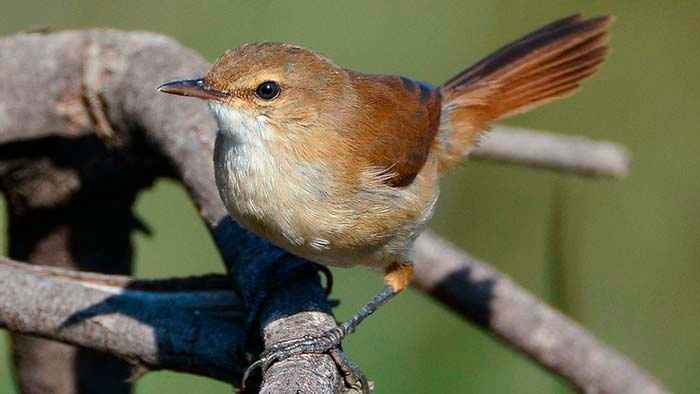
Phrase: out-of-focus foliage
pixel 622 257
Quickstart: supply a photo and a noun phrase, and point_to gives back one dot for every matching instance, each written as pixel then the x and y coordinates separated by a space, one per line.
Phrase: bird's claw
pixel 328 342
pixel 355 379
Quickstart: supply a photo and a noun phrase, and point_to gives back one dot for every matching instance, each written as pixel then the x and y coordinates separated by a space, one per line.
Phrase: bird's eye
pixel 268 90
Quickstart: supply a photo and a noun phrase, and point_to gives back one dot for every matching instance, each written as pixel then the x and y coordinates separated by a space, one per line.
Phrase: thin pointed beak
pixel 192 88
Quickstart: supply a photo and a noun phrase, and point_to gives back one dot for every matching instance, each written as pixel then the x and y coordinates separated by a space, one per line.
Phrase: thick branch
pixel 133 64
pixel 474 290
pixel 190 325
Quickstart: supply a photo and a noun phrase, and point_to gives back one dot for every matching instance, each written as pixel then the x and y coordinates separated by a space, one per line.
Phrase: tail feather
pixel 542 66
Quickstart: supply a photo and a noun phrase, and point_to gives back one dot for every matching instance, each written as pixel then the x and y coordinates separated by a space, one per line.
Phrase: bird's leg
pixel 397 277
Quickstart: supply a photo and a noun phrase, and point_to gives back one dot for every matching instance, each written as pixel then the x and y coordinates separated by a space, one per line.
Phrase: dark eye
pixel 268 90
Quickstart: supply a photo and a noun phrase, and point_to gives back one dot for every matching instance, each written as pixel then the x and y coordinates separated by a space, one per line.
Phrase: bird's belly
pixel 291 212
pixel 310 232
pixel 297 208
pixel 329 231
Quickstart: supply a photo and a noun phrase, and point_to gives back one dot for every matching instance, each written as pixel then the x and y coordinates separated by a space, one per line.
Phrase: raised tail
pixel 543 66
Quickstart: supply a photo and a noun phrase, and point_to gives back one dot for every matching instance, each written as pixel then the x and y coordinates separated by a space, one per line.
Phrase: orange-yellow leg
pixel 397 277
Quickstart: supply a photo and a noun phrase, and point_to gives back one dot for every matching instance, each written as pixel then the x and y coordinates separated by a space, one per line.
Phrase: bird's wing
pixel 398 120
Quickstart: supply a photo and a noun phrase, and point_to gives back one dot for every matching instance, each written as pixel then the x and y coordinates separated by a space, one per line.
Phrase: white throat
pixel 245 168
pixel 241 126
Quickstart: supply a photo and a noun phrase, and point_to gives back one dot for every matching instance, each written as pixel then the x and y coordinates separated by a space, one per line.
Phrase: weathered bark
pixel 86 229
pixel 105 81
pixel 194 325
pixel 493 301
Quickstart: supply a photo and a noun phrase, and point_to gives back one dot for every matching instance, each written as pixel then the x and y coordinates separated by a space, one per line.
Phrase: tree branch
pixel 488 298
pixel 571 154
pixel 130 65
pixel 193 325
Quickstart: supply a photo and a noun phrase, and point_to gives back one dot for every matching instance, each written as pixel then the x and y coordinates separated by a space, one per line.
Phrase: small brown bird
pixel 342 168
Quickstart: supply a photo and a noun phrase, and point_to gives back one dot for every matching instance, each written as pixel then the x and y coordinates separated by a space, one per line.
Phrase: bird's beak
pixel 198 88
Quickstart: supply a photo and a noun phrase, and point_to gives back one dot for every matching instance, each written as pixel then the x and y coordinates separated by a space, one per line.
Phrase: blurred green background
pixel 622 257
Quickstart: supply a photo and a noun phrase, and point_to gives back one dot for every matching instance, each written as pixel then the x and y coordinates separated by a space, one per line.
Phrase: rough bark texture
pixel 53 222
pixel 490 299
pixel 71 370
pixel 73 86
pixel 194 325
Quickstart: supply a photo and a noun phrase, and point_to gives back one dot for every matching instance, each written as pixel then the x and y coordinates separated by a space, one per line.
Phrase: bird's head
pixel 284 88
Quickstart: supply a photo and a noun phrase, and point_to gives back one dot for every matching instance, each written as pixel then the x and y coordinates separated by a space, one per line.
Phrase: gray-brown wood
pixel 87 83
pixel 194 325
pixel 69 205
pixel 493 301
pixel 42 366
pixel 562 153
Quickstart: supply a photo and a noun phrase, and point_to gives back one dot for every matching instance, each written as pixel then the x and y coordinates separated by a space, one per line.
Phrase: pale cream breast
pixel 293 200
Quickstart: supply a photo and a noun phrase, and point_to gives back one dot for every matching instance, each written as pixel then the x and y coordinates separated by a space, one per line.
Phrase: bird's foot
pixel 328 342
pixel 355 379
